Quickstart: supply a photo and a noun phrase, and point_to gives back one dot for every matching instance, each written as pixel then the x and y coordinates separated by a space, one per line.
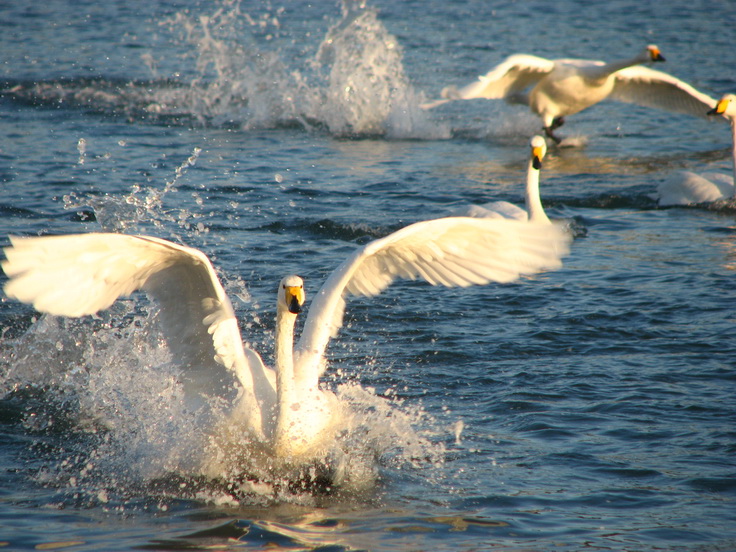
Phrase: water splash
pixel 366 90
pixel 104 406
pixel 112 420
pixel 141 206
pixel 246 74
pixel 94 382
pixel 354 85
pixel 82 149
pixel 237 81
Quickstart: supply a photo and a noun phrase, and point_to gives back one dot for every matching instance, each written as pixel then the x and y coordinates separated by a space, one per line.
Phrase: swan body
pixel 283 410
pixel 563 87
pixel 534 210
pixel 686 188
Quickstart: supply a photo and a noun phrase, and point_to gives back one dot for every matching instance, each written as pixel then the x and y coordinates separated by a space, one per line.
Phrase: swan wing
pixel 581 64
pixel 77 275
pixel 651 88
pixel 453 251
pixel 507 80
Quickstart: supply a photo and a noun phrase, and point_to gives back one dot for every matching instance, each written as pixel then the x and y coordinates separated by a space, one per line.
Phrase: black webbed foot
pixel 551 135
pixel 557 122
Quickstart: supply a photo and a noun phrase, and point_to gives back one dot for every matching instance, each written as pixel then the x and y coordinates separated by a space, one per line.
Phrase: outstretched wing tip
pixel 451 251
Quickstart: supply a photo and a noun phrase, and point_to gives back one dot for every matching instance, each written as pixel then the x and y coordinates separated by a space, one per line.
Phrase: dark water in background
pixel 592 407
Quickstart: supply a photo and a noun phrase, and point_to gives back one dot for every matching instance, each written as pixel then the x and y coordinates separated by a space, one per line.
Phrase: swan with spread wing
pixel 562 87
pixel 284 407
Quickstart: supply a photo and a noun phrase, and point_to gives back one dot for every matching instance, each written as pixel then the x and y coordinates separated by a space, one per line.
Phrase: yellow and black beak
pixel 294 296
pixel 537 156
pixel 720 107
pixel 656 54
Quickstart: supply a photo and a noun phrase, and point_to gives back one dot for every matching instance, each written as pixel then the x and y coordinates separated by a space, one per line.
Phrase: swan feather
pixel 77 275
pixel 453 251
pixel 96 269
pixel 563 87
pixel 651 88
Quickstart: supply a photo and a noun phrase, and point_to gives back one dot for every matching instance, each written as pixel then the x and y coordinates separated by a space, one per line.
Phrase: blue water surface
pixel 587 408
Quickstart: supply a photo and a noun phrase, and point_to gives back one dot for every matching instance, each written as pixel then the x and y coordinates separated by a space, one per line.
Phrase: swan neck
pixel 533 201
pixel 284 356
pixel 609 68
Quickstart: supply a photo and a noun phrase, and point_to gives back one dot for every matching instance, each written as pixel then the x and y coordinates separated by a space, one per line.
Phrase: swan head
pixel 539 150
pixel 291 295
pixel 653 53
pixel 725 106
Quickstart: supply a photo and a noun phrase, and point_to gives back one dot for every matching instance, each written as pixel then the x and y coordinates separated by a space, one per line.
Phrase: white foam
pixel 354 84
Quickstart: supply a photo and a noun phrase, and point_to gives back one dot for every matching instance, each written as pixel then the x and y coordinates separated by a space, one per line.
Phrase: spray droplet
pixel 82 149
pixel 459 426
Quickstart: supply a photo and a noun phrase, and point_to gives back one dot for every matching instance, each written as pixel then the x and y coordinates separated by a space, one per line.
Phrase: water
pixel 590 407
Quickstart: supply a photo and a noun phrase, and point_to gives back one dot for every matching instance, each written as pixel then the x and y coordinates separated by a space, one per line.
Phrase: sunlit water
pixel 592 407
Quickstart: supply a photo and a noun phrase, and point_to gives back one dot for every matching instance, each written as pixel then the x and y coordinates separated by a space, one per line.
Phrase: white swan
pixel 284 409
pixel 563 87
pixel 685 188
pixel 534 210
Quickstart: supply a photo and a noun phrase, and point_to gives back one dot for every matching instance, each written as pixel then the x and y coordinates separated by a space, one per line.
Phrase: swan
pixel 563 87
pixel 282 409
pixel 685 188
pixel 534 210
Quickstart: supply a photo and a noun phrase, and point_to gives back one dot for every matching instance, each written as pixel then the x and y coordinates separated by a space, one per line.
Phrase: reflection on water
pixel 291 529
pixel 725 239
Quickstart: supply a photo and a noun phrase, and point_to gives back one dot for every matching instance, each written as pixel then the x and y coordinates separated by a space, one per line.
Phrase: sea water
pixel 591 407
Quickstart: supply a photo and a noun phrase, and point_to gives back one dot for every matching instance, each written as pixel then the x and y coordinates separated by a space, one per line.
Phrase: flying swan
pixel 284 409
pixel 563 87
pixel 534 210
pixel 685 188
